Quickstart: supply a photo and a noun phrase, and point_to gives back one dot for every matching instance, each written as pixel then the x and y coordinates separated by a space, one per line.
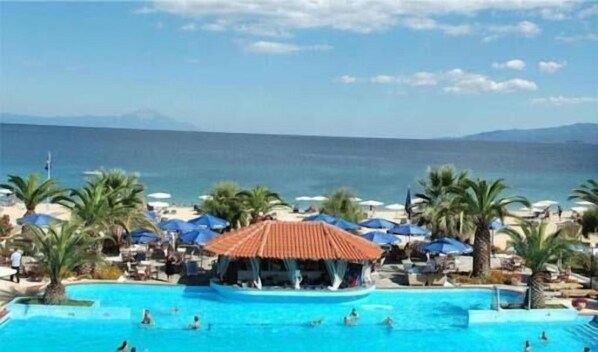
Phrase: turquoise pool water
pixel 425 320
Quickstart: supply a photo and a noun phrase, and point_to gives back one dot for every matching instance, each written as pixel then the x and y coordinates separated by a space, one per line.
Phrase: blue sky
pixel 364 68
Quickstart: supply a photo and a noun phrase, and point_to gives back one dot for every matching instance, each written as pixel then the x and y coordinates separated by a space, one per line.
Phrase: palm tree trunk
pixel 481 251
pixel 54 293
pixel 537 291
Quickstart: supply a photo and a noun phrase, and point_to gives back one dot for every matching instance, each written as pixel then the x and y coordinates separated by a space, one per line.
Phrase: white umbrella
pixel 205 197
pixel 158 204
pixel 274 202
pixel 585 202
pixel 356 199
pixel 395 206
pixel 579 210
pixel 319 198
pixel 159 195
pixel 371 203
pixel 303 199
pixel 5 191
pixel 92 173
pixel 417 200
pixel 544 204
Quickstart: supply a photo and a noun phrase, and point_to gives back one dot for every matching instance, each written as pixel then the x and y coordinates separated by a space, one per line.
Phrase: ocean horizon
pixel 188 163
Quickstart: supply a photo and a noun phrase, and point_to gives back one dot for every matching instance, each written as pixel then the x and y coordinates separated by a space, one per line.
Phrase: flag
pixel 408 204
pixel 48 166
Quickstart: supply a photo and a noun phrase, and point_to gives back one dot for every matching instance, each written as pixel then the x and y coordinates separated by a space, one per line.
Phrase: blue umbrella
pixel 37 219
pixel 321 217
pixel 446 246
pixel 497 225
pixel 380 237
pixel 345 225
pixel 210 222
pixel 152 215
pixel 176 225
pixel 143 236
pixel 200 237
pixel 409 230
pixel 378 223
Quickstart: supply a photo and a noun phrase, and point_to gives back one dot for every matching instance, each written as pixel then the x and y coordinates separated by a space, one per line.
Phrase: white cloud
pixel 524 29
pixel 189 27
pixel 145 10
pixel 218 26
pixel 588 11
pixel 427 24
pixel 592 37
pixel 515 64
pixel 346 79
pixel 277 48
pixel 561 100
pixel 550 66
pixel 553 15
pixel 458 81
pixel 357 16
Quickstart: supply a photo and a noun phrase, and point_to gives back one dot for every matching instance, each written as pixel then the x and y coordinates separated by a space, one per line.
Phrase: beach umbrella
pixel 497 225
pixel 158 204
pixel 210 221
pixel 159 195
pixel 345 225
pixel 371 203
pixel 585 202
pixel 446 246
pixel 92 173
pixel 303 199
pixel 544 204
pixel 579 210
pixel 395 206
pixel 205 197
pixel 319 198
pixel 143 236
pixel 176 225
pixel 5 191
pixel 198 237
pixel 356 199
pixel 410 230
pixel 37 219
pixel 321 217
pixel 381 238
pixel 378 223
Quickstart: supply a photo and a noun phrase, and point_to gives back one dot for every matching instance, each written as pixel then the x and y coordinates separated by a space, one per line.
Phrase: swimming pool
pixel 425 320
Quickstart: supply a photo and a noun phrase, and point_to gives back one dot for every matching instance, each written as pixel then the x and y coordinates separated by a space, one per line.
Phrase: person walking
pixel 15 264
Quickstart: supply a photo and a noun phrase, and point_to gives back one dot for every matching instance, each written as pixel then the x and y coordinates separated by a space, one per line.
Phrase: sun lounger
pixel 559 286
pixel 580 293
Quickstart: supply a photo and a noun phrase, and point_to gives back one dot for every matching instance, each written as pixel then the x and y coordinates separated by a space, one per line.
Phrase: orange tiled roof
pixel 299 240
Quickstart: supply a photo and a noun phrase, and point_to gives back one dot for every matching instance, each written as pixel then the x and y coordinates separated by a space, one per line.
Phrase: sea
pixel 188 164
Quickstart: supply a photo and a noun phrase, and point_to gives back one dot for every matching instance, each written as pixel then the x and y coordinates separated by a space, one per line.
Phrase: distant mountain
pixel 576 133
pixel 140 120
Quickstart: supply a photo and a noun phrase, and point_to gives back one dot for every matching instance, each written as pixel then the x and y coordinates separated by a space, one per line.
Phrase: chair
pixel 136 272
pixel 192 269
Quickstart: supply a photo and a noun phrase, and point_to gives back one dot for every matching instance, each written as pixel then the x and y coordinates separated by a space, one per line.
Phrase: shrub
pixel 589 221
pixel 5 226
pixel 108 272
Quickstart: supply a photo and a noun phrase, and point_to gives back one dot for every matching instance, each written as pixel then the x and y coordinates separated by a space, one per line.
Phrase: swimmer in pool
pixel 174 310
pixel 389 322
pixel 544 337
pixel 348 321
pixel 147 318
pixel 315 323
pixel 354 314
pixel 528 347
pixel 196 324
pixel 124 347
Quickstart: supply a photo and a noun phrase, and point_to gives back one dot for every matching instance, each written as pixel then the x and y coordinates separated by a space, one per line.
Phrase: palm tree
pixel 586 192
pixel 537 249
pixel 30 191
pixel 61 248
pixel 438 213
pixel 224 203
pixel 482 202
pixel 259 201
pixel 125 188
pixel 342 205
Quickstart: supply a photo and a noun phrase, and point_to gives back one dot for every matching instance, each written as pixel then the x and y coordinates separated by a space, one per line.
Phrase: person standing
pixel 15 264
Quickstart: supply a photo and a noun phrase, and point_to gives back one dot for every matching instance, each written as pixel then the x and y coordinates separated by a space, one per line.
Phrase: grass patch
pixel 68 302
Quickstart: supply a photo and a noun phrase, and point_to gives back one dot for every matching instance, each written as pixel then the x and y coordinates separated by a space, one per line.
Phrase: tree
pixel 439 213
pixel 224 203
pixel 31 191
pixel 481 202
pixel 537 249
pixel 259 201
pixel 342 205
pixel 60 248
pixel 587 191
pixel 589 221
